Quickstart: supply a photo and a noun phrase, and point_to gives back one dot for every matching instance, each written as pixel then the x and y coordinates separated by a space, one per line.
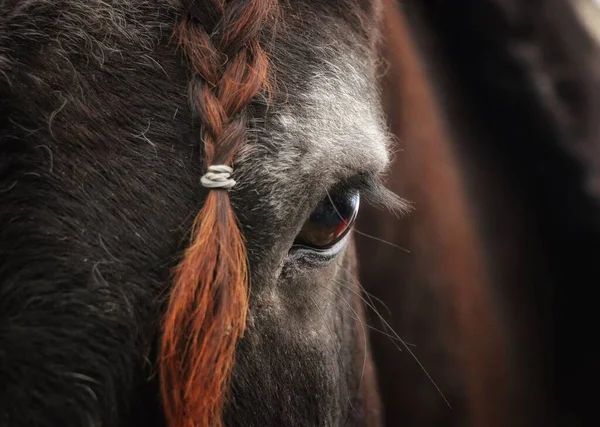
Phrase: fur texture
pixel 99 183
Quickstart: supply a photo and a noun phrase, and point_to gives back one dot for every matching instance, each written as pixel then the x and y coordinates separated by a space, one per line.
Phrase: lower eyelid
pixel 312 256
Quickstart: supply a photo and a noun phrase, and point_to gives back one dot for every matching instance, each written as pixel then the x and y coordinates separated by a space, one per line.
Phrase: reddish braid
pixel 206 314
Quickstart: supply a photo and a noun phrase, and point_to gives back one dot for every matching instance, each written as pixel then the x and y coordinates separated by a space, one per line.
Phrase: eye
pixel 330 221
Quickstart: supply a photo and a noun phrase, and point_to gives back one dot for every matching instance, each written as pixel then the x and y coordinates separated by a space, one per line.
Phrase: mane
pixel 206 313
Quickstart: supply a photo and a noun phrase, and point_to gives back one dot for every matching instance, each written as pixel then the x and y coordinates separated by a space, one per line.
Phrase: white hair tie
pixel 218 176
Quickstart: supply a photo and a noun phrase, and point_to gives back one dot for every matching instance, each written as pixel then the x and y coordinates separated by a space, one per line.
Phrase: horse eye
pixel 330 221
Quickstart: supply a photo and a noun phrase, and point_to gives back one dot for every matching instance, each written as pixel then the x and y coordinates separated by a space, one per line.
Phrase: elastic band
pixel 218 176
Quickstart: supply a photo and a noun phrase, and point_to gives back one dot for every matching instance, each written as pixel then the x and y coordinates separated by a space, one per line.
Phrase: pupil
pixel 331 220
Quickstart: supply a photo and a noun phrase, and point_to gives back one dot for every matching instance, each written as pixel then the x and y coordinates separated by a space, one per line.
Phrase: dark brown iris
pixel 330 221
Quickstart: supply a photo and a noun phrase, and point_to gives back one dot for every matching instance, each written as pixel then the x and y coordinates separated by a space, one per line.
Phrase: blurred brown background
pixel 496 108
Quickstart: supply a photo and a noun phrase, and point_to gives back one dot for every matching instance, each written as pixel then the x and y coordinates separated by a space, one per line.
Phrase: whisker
pixel 393 245
pixel 373 297
pixel 355 316
pixel 371 327
pixel 360 232
pixel 338 350
pixel 386 325
pixel 364 334
pixel 404 344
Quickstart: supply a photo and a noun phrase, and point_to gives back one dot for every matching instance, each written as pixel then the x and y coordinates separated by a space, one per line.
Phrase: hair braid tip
pixel 206 313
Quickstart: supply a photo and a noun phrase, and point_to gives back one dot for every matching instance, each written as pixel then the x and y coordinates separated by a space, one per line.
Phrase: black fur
pixel 99 183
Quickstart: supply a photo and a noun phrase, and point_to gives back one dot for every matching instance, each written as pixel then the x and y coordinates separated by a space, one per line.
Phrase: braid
pixel 206 314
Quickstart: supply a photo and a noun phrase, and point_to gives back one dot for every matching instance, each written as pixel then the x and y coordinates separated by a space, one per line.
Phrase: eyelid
pixel 362 182
pixel 373 192
pixel 312 256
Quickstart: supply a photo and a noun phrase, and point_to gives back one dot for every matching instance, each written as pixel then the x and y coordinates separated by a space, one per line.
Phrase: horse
pixel 179 180
pixel 178 183
pixel 495 105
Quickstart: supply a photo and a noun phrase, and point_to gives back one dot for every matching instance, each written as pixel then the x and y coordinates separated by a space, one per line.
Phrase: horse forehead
pixel 339 122
pixel 331 130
